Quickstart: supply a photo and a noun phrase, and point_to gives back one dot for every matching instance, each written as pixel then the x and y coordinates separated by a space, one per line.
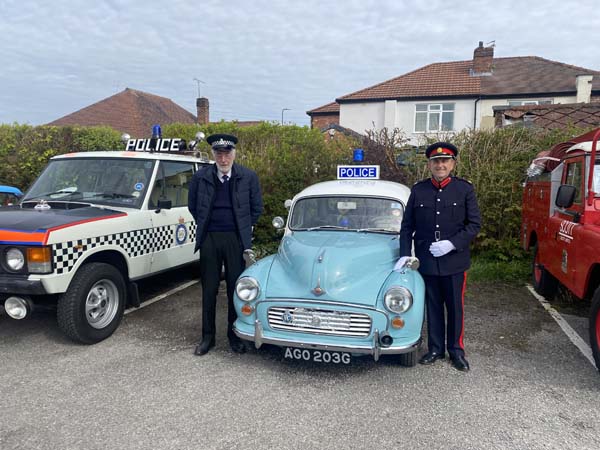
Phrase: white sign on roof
pixel 358 172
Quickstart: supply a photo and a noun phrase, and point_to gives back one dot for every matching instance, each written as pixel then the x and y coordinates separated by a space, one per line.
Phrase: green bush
pixel 290 158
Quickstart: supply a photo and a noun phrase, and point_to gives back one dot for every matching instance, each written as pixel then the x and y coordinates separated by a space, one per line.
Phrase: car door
pixel 564 224
pixel 174 227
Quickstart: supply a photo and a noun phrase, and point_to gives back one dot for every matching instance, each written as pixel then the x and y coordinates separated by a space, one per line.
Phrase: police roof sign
pixel 358 172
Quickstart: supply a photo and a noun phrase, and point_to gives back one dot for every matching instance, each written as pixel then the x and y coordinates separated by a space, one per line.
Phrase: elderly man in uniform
pixel 226 202
pixel 442 218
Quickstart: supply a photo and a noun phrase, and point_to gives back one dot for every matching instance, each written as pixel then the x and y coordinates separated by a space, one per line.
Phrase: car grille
pixel 319 321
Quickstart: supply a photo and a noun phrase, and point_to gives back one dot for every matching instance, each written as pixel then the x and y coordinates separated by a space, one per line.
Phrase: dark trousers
pixel 217 249
pixel 445 292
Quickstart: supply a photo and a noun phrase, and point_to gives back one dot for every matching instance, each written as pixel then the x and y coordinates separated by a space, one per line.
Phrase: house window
pixel 434 117
pixel 529 102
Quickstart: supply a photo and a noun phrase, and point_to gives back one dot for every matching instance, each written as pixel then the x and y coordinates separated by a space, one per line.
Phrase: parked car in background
pixel 9 195
pixel 330 292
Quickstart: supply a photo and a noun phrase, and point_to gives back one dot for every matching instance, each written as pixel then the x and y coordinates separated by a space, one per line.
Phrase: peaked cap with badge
pixel 441 150
pixel 222 142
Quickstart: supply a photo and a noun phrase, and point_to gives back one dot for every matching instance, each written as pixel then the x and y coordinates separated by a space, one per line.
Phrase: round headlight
pixel 247 289
pixel 15 260
pixel 398 299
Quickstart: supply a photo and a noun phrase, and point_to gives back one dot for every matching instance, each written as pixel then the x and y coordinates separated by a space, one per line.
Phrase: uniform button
pixel 437 226
pixel 437 212
pixel 439 200
pixel 454 204
pixel 440 190
pixel 421 205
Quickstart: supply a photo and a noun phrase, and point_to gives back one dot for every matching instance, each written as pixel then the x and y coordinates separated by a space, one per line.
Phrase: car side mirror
pixel 287 203
pixel 565 196
pixel 163 204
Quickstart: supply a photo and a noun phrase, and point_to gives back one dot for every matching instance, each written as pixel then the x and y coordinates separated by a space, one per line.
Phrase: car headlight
pixel 15 260
pixel 398 299
pixel 247 289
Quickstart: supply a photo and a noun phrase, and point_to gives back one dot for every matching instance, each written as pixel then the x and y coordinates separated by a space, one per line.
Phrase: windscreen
pixel 118 181
pixel 347 213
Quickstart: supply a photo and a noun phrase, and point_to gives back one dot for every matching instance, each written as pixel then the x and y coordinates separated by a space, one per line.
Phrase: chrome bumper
pixel 376 350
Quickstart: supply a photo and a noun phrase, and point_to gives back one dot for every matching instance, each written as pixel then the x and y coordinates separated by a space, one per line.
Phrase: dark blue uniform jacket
pixel 433 214
pixel 245 198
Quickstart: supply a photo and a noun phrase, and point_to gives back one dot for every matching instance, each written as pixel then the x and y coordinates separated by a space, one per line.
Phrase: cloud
pixel 258 57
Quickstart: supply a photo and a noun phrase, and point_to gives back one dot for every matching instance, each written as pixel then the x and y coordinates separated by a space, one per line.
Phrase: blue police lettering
pixel 358 172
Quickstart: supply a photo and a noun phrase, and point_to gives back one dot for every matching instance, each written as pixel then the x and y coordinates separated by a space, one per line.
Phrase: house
pixel 451 96
pixel 135 112
pixel 130 111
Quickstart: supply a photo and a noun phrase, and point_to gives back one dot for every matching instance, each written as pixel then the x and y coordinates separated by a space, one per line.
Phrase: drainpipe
pixel 475 113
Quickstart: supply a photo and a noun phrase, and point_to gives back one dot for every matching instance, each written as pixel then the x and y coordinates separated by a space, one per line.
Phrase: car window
pixel 172 183
pixel 347 213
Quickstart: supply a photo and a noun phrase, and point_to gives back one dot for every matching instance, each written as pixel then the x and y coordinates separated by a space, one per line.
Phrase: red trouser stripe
pixel 462 325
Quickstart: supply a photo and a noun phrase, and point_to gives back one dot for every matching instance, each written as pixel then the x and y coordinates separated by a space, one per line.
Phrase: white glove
pixel 400 263
pixel 441 248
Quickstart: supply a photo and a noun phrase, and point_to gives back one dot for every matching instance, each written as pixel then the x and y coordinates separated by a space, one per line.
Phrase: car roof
pixel 586 146
pixel 10 190
pixel 356 188
pixel 163 156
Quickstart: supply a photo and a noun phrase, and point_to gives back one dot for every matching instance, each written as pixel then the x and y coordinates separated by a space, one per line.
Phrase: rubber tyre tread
pixel 547 284
pixel 71 304
pixel 595 327
pixel 408 359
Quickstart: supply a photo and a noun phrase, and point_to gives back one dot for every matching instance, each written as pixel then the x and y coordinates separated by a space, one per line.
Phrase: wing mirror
pixel 565 196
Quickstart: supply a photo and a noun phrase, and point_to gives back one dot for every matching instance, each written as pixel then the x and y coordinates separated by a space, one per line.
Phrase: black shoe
pixel 203 347
pixel 431 357
pixel 460 363
pixel 237 345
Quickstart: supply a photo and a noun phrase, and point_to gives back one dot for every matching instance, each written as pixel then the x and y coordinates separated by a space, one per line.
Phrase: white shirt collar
pixel 222 173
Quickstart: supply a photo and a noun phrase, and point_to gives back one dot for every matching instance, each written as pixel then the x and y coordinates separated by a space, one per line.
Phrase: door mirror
pixel 565 196
pixel 163 204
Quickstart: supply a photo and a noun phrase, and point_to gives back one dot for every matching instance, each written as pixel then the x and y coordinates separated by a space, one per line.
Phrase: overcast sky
pixel 256 57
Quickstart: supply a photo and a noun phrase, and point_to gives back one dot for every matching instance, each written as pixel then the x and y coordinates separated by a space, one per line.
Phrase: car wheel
pixel 595 327
pixel 408 359
pixel 543 281
pixel 92 308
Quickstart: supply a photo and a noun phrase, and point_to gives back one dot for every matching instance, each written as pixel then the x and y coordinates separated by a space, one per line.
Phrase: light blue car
pixel 330 292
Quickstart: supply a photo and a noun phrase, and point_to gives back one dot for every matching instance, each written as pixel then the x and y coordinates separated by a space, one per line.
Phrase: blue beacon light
pixel 156 132
pixel 358 155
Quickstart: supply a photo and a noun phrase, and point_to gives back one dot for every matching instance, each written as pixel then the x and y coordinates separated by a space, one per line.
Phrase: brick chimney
pixel 202 110
pixel 483 58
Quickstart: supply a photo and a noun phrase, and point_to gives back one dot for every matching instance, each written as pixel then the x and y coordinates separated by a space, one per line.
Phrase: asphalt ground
pixel 528 388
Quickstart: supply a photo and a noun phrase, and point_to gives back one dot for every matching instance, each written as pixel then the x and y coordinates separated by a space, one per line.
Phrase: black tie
pixel 225 178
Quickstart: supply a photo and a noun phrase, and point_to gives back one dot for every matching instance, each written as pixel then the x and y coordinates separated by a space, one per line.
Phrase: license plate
pixel 318 356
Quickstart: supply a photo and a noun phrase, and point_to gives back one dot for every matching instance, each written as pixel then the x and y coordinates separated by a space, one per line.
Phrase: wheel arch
pixel 112 256
pixel 593 281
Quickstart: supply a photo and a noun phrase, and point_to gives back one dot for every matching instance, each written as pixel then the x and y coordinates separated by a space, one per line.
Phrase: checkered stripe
pixel 135 243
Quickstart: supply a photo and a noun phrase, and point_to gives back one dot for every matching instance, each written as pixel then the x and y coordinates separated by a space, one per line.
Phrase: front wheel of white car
pixel 92 308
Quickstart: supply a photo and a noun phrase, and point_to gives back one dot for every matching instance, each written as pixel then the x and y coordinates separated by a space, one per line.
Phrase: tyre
pixel 595 327
pixel 408 359
pixel 92 308
pixel 543 281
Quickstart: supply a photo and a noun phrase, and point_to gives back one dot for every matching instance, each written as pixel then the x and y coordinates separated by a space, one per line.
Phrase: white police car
pixel 331 292
pixel 93 224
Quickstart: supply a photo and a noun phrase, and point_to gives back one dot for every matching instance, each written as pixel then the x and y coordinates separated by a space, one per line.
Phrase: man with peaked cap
pixel 442 218
pixel 226 202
